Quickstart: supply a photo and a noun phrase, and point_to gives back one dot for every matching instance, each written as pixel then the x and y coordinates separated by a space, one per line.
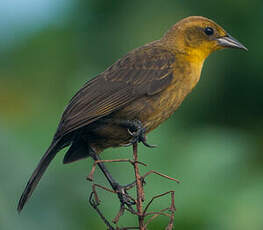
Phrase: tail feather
pixel 37 174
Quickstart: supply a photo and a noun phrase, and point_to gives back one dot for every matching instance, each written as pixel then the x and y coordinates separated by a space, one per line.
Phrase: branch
pixel 139 187
pixel 140 212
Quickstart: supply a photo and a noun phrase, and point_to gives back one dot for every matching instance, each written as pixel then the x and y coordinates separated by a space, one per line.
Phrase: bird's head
pixel 198 37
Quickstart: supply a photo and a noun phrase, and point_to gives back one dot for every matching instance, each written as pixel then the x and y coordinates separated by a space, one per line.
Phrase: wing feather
pixel 144 71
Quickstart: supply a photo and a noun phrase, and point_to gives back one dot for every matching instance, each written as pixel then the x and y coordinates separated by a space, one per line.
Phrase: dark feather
pixel 144 71
pixel 78 150
pixel 37 174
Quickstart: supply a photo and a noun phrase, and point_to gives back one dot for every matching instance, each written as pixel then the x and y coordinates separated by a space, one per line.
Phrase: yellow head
pixel 198 37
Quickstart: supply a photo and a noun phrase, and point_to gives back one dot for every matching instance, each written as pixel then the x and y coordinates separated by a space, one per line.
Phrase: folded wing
pixel 144 71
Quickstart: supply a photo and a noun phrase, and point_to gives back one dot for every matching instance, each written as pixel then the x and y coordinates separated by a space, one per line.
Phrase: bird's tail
pixel 38 172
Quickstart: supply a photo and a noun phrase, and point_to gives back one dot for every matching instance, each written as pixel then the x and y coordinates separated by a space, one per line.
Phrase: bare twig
pixel 90 176
pixel 160 174
pixel 95 206
pixel 138 183
pixel 154 198
pixel 139 188
pixel 172 210
pixel 162 212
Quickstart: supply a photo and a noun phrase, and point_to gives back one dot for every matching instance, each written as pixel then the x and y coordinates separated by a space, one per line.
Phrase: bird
pixel 134 95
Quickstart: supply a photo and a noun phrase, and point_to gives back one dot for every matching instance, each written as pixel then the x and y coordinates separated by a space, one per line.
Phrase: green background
pixel 212 144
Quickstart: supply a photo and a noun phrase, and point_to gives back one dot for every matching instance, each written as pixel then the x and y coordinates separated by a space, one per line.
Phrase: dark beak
pixel 229 41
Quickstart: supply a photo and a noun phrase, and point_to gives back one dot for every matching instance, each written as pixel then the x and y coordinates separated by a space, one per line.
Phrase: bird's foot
pixel 137 131
pixel 123 195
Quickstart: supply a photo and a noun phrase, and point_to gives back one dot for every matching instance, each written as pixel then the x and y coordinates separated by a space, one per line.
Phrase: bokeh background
pixel 213 143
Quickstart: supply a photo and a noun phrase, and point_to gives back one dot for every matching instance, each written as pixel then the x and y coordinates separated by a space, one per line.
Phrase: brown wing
pixel 144 71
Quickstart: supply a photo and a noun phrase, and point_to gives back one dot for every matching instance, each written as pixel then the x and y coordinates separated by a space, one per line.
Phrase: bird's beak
pixel 229 41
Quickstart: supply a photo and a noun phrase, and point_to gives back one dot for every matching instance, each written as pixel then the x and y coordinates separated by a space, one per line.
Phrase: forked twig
pixel 90 176
pixel 160 174
pixel 162 212
pixel 138 184
pixel 154 198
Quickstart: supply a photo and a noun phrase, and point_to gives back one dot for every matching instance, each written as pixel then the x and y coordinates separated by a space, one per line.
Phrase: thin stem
pixel 138 183
pixel 95 206
pixel 139 188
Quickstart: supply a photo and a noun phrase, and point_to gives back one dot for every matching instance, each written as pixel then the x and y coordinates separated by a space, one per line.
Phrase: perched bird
pixel 134 95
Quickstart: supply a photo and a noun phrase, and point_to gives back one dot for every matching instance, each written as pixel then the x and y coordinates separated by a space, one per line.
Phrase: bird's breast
pixel 163 106
pixel 155 109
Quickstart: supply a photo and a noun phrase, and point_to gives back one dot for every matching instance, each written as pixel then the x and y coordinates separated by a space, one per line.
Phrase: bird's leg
pixel 136 130
pixel 119 189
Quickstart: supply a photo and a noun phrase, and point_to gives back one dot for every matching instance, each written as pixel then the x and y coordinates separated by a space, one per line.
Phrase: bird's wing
pixel 145 71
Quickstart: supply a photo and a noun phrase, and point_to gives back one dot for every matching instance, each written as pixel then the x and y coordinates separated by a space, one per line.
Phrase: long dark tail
pixel 37 174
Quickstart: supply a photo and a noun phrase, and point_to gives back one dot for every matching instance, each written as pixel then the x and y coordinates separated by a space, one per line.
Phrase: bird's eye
pixel 209 31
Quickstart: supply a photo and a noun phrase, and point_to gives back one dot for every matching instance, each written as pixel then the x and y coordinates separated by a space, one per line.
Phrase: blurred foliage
pixel 213 143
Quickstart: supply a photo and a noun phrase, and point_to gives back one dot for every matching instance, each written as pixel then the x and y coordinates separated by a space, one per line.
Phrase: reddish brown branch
pixel 172 210
pixel 139 188
pixel 138 183
pixel 154 198
pixel 160 174
pixel 90 176
pixel 162 212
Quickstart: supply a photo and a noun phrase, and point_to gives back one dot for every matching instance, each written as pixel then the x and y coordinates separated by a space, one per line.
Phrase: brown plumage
pixel 146 85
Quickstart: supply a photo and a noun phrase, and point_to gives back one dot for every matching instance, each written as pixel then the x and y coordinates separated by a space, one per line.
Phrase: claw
pixel 143 140
pixel 131 133
pixel 123 196
pixel 127 145
pixel 139 136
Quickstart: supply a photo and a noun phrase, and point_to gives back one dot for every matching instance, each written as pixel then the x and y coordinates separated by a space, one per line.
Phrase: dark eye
pixel 209 31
